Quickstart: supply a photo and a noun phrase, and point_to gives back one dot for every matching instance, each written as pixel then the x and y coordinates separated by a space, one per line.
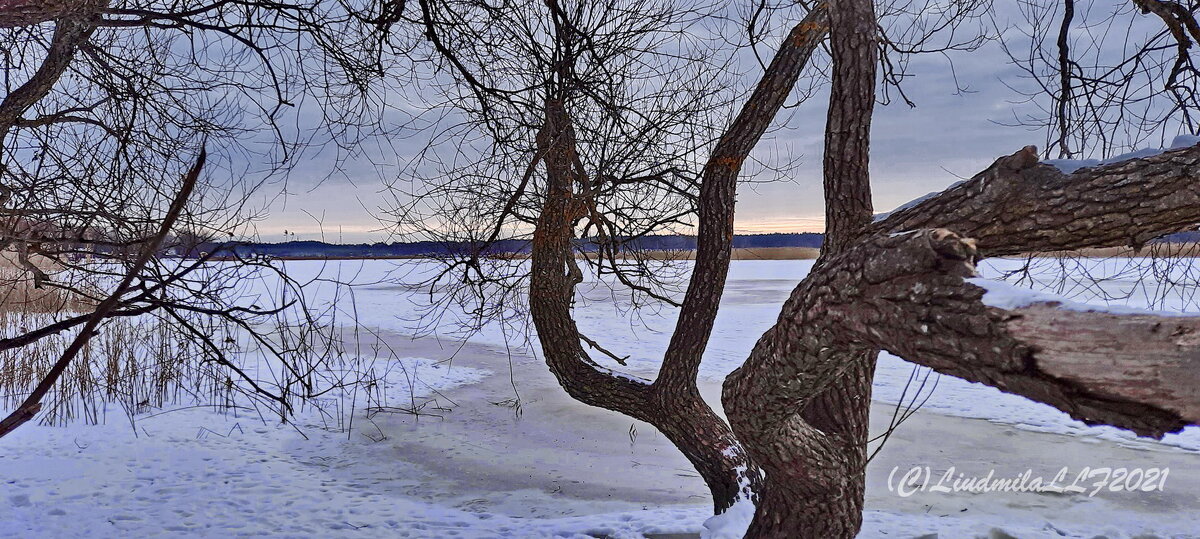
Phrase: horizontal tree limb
pixel 909 294
pixel 1147 359
pixel 18 13
pixel 1018 205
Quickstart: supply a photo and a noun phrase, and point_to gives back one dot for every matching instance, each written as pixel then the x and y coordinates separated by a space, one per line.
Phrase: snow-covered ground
pixel 200 471
pixel 757 288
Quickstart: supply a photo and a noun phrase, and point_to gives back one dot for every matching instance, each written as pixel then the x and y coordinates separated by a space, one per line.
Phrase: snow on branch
pixel 1002 295
pixel 1068 166
pixel 1021 205
pixel 916 296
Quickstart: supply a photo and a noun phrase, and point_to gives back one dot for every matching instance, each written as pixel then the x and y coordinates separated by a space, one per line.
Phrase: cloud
pixel 953 132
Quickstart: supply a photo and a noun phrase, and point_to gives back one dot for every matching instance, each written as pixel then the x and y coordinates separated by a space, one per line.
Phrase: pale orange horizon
pixel 781 226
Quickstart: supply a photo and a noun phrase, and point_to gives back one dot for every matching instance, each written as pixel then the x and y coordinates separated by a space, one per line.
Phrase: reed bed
pixel 293 360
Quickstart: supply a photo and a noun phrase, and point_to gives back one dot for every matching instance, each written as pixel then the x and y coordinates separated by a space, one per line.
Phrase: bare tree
pixel 1106 92
pixel 560 91
pixel 33 402
pixel 616 103
pixel 105 104
pixel 798 408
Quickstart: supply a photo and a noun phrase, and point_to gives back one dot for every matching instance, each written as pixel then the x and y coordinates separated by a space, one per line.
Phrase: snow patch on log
pixel 1002 295
pixel 624 376
pixel 881 216
pixel 1068 166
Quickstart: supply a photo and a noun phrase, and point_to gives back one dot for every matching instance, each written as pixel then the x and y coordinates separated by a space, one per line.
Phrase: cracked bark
pixel 1018 205
pixel 18 13
pixel 672 403
pixel 909 294
pixel 814 451
pixel 685 419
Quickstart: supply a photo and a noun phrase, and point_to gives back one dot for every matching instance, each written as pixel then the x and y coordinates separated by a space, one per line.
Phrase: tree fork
pixel 674 405
pixel 815 460
pixel 678 412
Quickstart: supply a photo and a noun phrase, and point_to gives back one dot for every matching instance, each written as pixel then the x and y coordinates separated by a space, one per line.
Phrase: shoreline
pixel 1163 250
pixel 478 467
pixel 574 454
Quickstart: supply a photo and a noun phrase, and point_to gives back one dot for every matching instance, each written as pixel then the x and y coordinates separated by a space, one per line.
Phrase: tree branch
pixel 32 404
pixel 914 295
pixel 69 35
pixel 18 13
pixel 718 189
pixel 1019 205
pixel 685 418
pixel 847 174
pixel 552 286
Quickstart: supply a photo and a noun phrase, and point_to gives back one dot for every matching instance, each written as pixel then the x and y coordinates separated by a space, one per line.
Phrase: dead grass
pixel 757 253
pixel 135 363
pixel 18 295
pixel 1161 250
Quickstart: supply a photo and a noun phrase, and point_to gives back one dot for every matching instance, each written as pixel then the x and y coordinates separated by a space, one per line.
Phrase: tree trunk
pixel 815 461
pixel 832 506
pixel 672 403
pixel 709 445
pixel 677 410
pixel 784 512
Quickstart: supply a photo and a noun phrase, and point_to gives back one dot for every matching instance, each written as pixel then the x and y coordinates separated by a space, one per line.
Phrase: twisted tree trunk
pixel 814 450
pixel 798 408
pixel 677 410
pixel 672 403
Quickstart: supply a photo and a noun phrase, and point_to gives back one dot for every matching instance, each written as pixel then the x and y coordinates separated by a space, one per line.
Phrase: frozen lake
pixel 559 470
pixel 754 293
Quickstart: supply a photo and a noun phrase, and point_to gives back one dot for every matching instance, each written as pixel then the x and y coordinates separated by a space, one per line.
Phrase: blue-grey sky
pixel 914 151
pixel 953 131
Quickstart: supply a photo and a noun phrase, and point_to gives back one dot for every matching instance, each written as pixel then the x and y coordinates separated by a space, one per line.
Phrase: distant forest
pixel 318 249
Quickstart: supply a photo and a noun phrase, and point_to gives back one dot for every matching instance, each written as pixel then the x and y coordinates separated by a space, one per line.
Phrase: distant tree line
pixel 320 249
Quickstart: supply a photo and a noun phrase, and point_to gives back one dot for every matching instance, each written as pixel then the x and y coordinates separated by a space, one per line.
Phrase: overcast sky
pixel 950 134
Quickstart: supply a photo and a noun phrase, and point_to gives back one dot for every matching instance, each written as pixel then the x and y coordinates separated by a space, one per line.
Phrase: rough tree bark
pixel 902 284
pixel 672 403
pixel 1018 205
pixel 800 403
pixel 813 450
pixel 913 295
pixel 18 13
